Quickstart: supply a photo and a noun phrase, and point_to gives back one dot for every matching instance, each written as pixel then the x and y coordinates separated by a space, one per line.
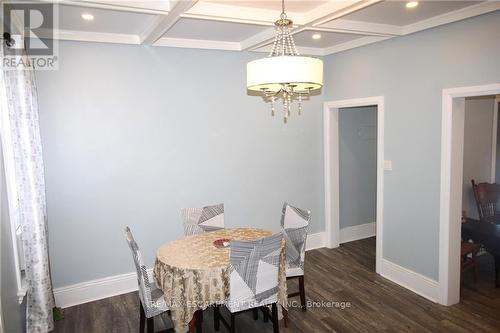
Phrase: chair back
pixel 254 271
pixel 294 223
pixel 142 275
pixel 486 196
pixel 199 220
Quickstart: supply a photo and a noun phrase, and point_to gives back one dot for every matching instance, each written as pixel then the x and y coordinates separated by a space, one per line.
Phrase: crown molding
pixel 358 27
pixel 198 44
pixel 100 37
pixel 456 15
pixel 326 18
pixel 354 43
pixel 147 7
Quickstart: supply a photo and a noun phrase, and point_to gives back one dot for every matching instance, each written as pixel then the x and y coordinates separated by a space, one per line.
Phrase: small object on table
pixel 222 243
pixel 193 274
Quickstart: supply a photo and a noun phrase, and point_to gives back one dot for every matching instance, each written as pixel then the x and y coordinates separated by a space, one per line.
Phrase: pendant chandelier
pixel 284 74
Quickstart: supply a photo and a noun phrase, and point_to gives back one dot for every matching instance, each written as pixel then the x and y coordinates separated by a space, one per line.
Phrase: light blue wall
pixel 358 165
pixel 132 134
pixel 411 72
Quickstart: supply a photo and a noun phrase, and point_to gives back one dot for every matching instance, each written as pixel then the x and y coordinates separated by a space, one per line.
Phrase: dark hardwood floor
pixel 346 274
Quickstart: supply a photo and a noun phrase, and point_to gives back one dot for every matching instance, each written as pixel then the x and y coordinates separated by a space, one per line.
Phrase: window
pixel 7 164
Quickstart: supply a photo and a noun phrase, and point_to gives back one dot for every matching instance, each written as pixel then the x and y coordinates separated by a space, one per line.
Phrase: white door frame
pixel 452 133
pixel 331 160
pixel 494 141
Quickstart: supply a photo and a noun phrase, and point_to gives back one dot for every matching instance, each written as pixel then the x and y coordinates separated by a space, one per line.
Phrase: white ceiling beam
pixel 258 39
pixel 89 36
pixel 198 44
pixel 358 27
pixel 230 13
pixel 149 7
pixel 456 15
pixel 323 13
pixel 166 22
pixel 314 51
pixel 353 44
pixel 335 9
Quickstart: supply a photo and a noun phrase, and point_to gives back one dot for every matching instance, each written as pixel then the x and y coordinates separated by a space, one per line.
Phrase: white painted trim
pixel 331 169
pixel 494 140
pixel 454 16
pixel 450 200
pixel 315 241
pixel 354 44
pixel 100 37
pixel 198 44
pixel 357 232
pixel 333 10
pixel 409 279
pixel 142 7
pixel 166 22
pixel 1 191
pixel 359 27
pixel 97 289
pixel 94 290
pixel 10 186
pixel 314 51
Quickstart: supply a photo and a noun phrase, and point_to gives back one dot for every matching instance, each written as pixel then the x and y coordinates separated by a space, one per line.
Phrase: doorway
pixel 452 159
pixel 331 119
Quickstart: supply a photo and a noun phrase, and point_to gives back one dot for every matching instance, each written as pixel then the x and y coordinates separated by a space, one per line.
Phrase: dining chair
pixel 487 196
pixel 199 220
pixel 152 300
pixel 253 280
pixel 294 224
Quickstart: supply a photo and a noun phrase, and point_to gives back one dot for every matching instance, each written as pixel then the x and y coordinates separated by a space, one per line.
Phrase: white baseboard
pixel 315 241
pixel 94 290
pixel 357 232
pixel 411 280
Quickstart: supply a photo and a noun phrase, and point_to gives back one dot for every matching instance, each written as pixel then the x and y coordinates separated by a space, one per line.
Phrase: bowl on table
pixel 221 243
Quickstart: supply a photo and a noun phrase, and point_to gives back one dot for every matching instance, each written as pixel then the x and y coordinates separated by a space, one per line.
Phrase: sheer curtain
pixel 22 146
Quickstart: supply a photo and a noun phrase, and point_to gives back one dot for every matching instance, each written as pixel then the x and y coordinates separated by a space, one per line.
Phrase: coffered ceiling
pixel 336 25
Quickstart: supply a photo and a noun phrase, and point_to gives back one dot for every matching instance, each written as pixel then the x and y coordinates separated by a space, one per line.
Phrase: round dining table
pixel 194 274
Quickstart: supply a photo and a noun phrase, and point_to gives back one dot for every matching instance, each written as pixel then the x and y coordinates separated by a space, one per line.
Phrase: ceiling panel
pixel 297 6
pixel 396 13
pixel 105 21
pixel 327 39
pixel 188 28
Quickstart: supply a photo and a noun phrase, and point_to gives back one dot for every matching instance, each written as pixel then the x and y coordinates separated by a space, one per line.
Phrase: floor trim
pixel 361 231
pixel 97 289
pixel 411 280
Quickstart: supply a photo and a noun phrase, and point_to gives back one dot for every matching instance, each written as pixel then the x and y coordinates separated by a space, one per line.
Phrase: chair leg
pixel 265 313
pixel 216 318
pixel 255 313
pixel 233 323
pixel 151 325
pixel 276 326
pixel 497 271
pixel 302 291
pixel 142 318
pixel 199 321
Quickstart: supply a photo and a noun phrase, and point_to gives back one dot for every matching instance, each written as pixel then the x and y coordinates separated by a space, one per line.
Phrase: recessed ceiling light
pixel 316 36
pixel 87 17
pixel 412 4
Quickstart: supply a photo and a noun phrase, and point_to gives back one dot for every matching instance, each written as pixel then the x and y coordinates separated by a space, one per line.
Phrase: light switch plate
pixel 387 165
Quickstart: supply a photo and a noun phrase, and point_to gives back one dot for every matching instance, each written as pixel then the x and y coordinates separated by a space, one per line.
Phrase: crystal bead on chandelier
pixel 284 74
